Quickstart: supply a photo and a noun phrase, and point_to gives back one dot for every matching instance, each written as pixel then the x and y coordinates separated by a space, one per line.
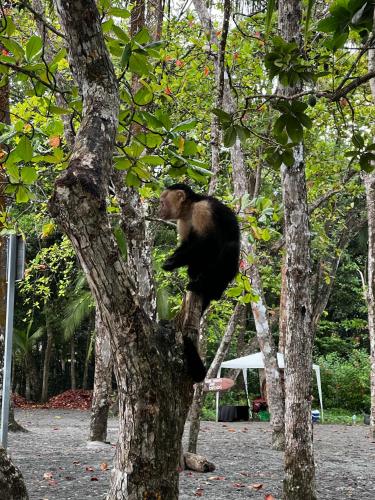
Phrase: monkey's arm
pixel 180 257
pixel 194 249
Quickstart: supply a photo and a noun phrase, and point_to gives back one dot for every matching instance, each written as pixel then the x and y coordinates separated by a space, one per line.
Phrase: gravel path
pixel 58 465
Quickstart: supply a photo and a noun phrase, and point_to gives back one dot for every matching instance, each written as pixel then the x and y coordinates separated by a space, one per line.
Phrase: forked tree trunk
pixel 154 388
pixel 369 180
pixel 298 458
pixel 102 383
pixel 12 486
pixel 242 187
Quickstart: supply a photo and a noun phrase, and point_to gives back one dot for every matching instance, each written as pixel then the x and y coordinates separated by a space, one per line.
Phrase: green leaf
pixel 117 12
pixel 24 149
pixel 304 120
pixel 223 116
pixel 153 160
pixel 58 57
pixel 142 37
pixel 358 140
pixel 185 125
pixel 279 125
pixel 122 163
pixel 287 158
pixel 121 241
pixel 243 133
pixel 190 148
pixel 328 25
pixel 138 64
pixel 271 5
pixel 28 175
pixel 33 48
pixel 23 195
pixel 294 129
pixel 125 57
pixel 230 136
pixel 120 33
pixel 13 47
pixel 143 97
pixel 149 140
pixel 234 291
pixel 132 180
pixel 56 110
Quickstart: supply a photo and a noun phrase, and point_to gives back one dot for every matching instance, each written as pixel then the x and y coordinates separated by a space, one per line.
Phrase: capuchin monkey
pixel 209 240
pixel 209 247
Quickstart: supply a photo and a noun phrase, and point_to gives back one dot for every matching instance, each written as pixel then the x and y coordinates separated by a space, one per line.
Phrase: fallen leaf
pixel 238 485
pixel 52 482
pixel 104 466
pixel 47 475
pixel 269 497
pixel 231 430
pixel 199 492
pixel 54 141
pixel 89 469
pixel 69 478
pixel 94 479
pixel 217 478
pixel 257 486
pixel 76 462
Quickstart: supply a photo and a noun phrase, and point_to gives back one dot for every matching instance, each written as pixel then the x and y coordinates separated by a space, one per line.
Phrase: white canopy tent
pixel 256 361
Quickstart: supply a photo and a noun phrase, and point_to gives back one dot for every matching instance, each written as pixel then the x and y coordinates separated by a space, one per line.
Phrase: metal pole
pixel 11 269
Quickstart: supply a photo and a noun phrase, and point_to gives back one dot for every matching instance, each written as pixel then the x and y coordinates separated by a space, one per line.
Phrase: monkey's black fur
pixel 212 258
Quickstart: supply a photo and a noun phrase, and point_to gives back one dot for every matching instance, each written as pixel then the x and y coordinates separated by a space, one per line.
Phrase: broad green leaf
pixel 132 180
pixel 58 57
pixel 223 116
pixel 143 97
pixel 279 125
pixel 304 119
pixel 120 33
pixel 149 140
pixel 24 149
pixel 287 158
pixel 358 140
pixel 23 195
pixel 142 37
pixel 13 47
pixel 48 229
pixel 230 136
pixel 28 175
pixel 190 148
pixel 234 291
pixel 125 57
pixel 328 25
pixel 153 160
pixel 117 12
pixel 185 125
pixel 122 163
pixel 243 133
pixel 294 129
pixel 138 64
pixel 56 110
pixel 33 48
pixel 121 241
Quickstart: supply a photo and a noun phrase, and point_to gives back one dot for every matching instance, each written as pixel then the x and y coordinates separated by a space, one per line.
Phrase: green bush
pixel 346 381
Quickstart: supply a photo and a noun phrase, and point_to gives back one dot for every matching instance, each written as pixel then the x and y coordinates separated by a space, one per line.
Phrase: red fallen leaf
pixel 4 52
pixel 52 482
pixel 269 497
pixel 217 478
pixel 179 63
pixel 257 486
pixel 94 479
pixel 231 430
pixel 199 492
pixel 47 475
pixel 89 469
pixel 206 71
pixel 236 56
pixel 104 466
pixel 238 485
pixel 167 91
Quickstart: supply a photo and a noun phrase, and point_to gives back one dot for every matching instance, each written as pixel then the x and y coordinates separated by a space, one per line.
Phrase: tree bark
pixel 154 387
pixel 73 378
pixel 299 478
pixel 369 180
pixel 47 357
pixel 102 383
pixel 199 394
pixel 12 486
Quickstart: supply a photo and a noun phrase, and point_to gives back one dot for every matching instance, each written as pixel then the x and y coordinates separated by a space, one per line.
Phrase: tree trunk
pixel 199 394
pixel 369 180
pixel 47 358
pixel 241 187
pixel 299 479
pixel 154 387
pixel 12 486
pixel 73 378
pixel 102 383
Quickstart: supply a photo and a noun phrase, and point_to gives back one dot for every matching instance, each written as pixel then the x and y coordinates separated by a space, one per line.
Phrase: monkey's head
pixel 174 201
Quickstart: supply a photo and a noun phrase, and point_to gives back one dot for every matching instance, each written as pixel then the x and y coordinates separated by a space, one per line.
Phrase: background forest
pixel 176 86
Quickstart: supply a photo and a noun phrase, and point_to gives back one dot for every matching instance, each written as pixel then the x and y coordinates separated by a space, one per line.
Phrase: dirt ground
pixel 58 465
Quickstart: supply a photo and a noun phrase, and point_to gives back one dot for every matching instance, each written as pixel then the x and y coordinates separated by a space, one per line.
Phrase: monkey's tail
pixel 195 366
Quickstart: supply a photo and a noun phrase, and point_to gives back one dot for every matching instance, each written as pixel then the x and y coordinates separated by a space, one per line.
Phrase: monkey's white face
pixel 171 204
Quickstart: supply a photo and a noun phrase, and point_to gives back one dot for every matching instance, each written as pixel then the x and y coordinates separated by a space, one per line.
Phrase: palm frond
pixel 77 312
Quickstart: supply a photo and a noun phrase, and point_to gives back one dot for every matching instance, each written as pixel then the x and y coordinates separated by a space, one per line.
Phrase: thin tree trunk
pixel 369 180
pixel 282 307
pixel 47 357
pixel 299 479
pixel 12 485
pixel 73 378
pixel 155 389
pixel 102 383
pixel 199 394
